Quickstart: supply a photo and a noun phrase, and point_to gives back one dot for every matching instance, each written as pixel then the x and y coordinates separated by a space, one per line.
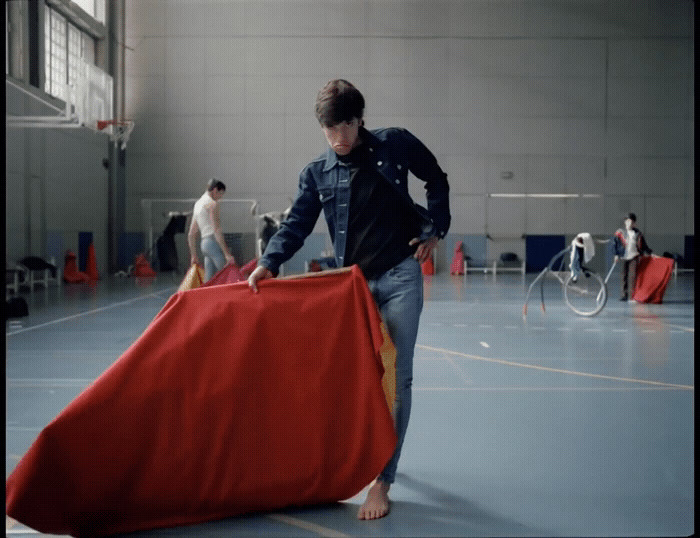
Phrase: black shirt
pixel 380 223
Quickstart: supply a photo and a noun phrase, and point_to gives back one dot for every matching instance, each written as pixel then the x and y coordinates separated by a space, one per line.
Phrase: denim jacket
pixel 325 184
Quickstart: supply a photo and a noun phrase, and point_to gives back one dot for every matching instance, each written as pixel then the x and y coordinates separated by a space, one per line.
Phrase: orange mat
pixel 230 402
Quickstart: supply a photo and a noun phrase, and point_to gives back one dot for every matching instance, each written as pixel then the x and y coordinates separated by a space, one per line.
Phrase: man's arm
pixel 218 234
pixel 191 240
pixel 425 167
pixel 295 228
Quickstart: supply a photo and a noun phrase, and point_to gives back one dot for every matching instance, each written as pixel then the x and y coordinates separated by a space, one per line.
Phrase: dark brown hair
pixel 338 101
pixel 215 184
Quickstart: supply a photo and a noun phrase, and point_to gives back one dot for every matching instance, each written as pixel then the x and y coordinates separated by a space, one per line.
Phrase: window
pixel 65 46
pixel 94 8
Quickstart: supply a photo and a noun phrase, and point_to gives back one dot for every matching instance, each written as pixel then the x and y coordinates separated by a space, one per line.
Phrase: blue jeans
pixel 214 259
pixel 399 296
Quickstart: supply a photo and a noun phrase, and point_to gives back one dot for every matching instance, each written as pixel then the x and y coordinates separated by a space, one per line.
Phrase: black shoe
pixel 623 298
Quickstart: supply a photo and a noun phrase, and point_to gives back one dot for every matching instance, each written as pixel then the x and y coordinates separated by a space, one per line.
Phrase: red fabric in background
pixel 457 265
pixel 653 274
pixel 428 267
pixel 231 274
pixel 230 402
pixel 141 267
pixel 70 270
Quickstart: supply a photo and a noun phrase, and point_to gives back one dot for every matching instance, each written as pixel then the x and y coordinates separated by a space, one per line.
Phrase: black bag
pixel 16 307
pixel 167 253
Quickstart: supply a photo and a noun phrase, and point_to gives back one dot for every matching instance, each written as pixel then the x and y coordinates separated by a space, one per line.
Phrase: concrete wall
pixel 540 96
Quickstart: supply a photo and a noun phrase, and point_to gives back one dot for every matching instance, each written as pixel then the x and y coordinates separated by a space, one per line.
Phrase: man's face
pixel 343 137
pixel 629 223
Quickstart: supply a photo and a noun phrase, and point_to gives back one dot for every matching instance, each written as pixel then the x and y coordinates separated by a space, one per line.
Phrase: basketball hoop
pixel 119 130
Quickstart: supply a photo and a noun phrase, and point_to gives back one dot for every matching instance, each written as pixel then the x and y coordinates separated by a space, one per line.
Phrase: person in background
pixel 629 245
pixel 361 184
pixel 205 219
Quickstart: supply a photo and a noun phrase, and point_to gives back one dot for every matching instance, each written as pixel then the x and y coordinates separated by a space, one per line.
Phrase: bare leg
pixel 376 504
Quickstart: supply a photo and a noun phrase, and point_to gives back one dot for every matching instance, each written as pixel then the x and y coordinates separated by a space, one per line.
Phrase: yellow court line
pixel 308 526
pixel 555 370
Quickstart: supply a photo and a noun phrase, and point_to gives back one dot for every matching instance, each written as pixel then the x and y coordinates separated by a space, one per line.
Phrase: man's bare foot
pixel 376 504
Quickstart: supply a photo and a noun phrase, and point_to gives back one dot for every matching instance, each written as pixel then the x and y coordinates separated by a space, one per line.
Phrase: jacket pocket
pixel 327 198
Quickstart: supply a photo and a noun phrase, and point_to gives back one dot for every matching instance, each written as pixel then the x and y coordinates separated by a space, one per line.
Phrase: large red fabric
pixel 230 402
pixel 653 274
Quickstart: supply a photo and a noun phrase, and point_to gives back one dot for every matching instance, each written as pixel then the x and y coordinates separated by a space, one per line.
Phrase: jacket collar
pixel 331 157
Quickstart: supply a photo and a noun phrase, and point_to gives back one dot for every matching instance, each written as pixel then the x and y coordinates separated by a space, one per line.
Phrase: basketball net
pixel 119 130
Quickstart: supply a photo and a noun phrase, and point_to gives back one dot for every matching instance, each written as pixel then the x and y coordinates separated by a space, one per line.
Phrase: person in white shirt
pixel 629 246
pixel 205 220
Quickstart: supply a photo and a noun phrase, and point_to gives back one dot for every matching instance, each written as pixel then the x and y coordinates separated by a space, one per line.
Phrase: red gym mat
pixel 230 402
pixel 653 274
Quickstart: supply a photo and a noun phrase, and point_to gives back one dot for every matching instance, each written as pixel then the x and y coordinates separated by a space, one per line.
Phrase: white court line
pixel 80 314
pixel 47 383
pixel 555 370
pixel 688 329
pixel 537 389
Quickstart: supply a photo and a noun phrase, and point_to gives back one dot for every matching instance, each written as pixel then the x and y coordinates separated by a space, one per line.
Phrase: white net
pixel 172 217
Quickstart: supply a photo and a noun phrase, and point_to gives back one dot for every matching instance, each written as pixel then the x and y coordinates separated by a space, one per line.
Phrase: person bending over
pixel 205 219
pixel 361 184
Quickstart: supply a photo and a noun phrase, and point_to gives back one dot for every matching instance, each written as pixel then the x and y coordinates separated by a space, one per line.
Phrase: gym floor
pixel 553 425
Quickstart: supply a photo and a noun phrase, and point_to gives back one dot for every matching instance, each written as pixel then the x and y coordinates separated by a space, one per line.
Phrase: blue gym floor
pixel 557 425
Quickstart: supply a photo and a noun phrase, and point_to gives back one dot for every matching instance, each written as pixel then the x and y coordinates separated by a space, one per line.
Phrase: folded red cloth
pixel 230 402
pixel 141 267
pixel 70 270
pixel 653 274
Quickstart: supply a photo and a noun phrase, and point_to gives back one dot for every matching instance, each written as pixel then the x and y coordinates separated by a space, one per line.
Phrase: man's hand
pixel 229 258
pixel 260 273
pixel 194 260
pixel 425 248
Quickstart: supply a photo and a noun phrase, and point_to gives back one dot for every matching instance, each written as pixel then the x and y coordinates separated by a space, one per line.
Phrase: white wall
pixel 571 96
pixel 55 183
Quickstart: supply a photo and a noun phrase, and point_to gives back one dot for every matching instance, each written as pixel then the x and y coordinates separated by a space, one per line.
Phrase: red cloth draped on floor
pixel 653 274
pixel 230 402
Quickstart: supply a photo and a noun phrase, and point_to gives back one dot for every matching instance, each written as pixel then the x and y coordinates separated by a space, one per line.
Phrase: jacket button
pixel 398 166
pixel 398 181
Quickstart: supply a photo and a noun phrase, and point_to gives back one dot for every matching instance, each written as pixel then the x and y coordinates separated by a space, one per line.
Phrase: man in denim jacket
pixel 361 184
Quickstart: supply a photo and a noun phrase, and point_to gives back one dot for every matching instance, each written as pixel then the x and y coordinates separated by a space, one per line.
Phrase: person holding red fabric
pixel 206 221
pixel 629 245
pixel 361 184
